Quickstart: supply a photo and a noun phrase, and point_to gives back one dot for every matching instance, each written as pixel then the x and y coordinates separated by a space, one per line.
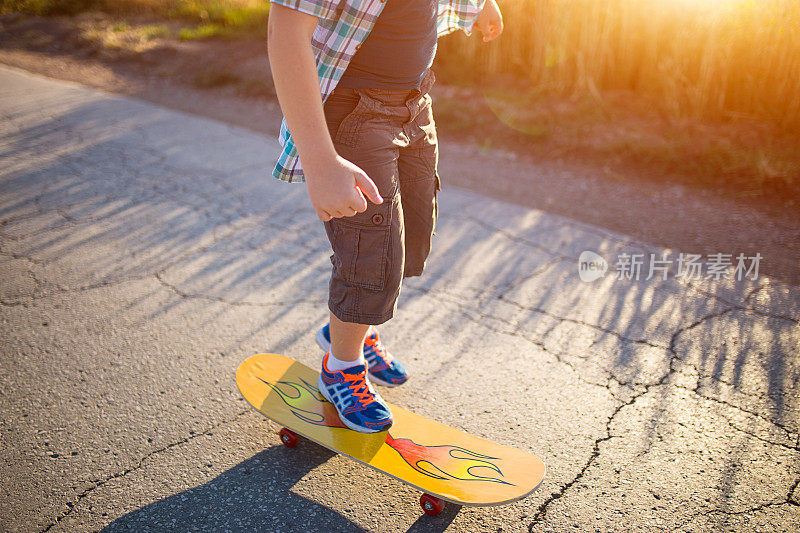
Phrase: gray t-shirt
pixel 399 50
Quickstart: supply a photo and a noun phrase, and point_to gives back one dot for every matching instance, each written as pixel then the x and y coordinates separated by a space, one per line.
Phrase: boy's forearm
pixel 294 74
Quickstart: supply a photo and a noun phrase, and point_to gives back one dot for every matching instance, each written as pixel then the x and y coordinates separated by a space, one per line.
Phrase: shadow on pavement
pixel 255 495
pixel 436 524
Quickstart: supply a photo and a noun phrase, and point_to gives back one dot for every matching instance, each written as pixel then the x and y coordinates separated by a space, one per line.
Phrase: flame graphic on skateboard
pixel 440 462
pixel 303 399
pixel 445 461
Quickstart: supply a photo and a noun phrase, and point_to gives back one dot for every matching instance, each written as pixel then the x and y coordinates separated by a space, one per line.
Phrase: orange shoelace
pixel 379 349
pixel 358 384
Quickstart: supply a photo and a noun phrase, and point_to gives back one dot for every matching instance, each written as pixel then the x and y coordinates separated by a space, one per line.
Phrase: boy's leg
pixel 367 261
pixel 367 247
pixel 373 129
pixel 347 339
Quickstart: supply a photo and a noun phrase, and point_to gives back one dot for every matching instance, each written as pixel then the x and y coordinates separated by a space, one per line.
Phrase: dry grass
pixel 711 58
pixel 708 89
pixel 705 89
pixel 213 18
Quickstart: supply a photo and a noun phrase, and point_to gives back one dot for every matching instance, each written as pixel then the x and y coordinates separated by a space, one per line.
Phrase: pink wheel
pixel 288 437
pixel 431 505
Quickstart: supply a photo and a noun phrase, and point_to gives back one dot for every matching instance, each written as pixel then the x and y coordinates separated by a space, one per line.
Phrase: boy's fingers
pixel 323 215
pixel 359 205
pixel 368 188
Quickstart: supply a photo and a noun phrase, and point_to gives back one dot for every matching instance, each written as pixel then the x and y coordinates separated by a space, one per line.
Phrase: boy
pixel 369 157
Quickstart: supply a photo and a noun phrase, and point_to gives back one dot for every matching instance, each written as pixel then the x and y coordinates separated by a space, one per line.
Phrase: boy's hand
pixel 489 21
pixel 337 189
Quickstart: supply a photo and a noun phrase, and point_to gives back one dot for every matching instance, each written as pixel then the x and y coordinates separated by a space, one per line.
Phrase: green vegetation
pixel 727 59
pixel 212 18
pixel 689 87
pixel 155 31
pixel 48 7
pixel 203 31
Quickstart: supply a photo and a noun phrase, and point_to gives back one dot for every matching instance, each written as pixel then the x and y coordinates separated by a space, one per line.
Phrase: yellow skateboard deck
pixel 434 458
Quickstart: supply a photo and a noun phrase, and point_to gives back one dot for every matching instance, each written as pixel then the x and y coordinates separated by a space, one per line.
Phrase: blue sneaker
pixel 383 368
pixel 360 407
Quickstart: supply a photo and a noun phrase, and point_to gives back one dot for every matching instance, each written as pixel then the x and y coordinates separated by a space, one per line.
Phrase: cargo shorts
pixel 390 135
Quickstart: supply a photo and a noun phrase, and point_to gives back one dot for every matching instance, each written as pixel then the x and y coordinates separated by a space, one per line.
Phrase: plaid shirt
pixel 343 26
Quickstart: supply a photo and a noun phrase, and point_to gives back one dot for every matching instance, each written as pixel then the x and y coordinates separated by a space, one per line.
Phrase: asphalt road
pixel 145 253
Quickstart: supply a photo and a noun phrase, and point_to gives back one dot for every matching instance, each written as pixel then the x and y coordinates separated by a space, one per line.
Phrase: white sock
pixel 334 364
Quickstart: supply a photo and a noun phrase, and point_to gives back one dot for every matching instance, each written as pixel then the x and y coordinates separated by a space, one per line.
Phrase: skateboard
pixel 445 464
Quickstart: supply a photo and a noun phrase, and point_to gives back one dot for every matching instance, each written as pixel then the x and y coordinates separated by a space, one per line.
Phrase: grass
pixel 702 87
pixel 720 59
pixel 705 75
pixel 723 59
pixel 155 31
pixel 203 31
pixel 209 18
pixel 625 134
pixel 47 7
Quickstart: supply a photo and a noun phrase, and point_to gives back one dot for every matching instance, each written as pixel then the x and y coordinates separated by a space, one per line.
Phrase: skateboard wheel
pixel 431 505
pixel 288 437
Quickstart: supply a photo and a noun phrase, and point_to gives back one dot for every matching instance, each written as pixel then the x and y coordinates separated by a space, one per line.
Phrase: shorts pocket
pixel 351 126
pixel 340 105
pixel 361 246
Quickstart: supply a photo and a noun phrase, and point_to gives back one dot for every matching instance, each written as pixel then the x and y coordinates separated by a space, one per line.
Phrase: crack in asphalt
pixel 65 290
pixel 99 483
pixel 732 304
pixel 174 289
pixel 15 255
pixel 737 306
pixel 765 314
pixel 734 513
pixel 762 439
pixel 519 333
pixel 533 244
pixel 768 284
pixel 109 282
pixel 482 318
pixel 562 490
pixel 516 239
pixel 468 313
pixel 791 498
pixel 775 423
pixel 701 376
pixel 542 510
pixel 581 322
